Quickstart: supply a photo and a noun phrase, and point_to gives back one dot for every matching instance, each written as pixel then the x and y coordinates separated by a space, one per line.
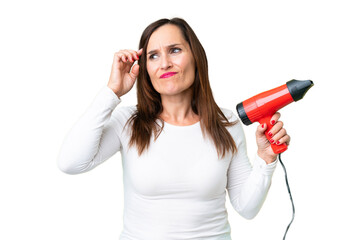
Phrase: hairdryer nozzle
pixel 298 88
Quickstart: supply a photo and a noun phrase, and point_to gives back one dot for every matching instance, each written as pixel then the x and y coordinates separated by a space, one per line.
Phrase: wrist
pixel 116 93
pixel 266 157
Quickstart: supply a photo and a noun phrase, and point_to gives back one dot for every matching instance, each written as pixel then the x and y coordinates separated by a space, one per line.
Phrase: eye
pixel 175 50
pixel 153 56
pixel 172 50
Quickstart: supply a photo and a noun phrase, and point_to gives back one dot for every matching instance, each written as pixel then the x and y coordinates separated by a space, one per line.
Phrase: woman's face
pixel 170 63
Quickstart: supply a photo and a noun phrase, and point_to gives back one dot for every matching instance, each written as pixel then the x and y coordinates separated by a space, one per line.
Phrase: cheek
pixel 190 68
pixel 186 65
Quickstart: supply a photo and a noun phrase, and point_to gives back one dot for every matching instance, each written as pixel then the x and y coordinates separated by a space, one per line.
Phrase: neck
pixel 177 109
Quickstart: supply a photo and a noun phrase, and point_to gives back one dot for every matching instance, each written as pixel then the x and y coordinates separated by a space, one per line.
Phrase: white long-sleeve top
pixel 176 189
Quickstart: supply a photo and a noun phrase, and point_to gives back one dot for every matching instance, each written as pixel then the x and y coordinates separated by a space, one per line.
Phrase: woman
pixel 180 151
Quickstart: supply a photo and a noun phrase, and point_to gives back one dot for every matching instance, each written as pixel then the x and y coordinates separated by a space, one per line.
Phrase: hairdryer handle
pixel 276 148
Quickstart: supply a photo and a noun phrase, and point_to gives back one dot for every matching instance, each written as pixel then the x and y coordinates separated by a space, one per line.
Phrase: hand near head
pixel 278 136
pixel 121 78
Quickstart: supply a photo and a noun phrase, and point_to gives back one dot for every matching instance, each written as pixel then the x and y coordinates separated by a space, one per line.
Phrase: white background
pixel 56 55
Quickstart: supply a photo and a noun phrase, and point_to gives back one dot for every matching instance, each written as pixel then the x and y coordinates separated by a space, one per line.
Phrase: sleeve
pixel 93 138
pixel 247 184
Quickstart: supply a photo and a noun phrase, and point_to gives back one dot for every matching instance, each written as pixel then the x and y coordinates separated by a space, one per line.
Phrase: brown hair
pixel 149 107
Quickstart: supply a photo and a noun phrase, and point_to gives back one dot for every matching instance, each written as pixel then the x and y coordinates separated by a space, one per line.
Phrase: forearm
pixel 248 198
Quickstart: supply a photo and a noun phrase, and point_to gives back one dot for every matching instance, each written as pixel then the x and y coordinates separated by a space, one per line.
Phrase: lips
pixel 168 74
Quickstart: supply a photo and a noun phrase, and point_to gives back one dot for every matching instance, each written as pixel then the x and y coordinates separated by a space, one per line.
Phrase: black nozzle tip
pixel 242 114
pixel 298 88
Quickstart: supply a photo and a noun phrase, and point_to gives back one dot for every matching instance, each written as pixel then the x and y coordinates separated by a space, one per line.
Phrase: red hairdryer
pixel 263 106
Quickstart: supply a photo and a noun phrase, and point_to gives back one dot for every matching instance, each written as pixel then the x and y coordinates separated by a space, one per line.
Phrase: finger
pixel 285 139
pixel 279 135
pixel 288 140
pixel 275 118
pixel 121 57
pixel 261 129
pixel 125 55
pixel 276 128
pixel 134 71
pixel 118 58
pixel 133 54
pixel 140 51
pixel 128 55
pixel 137 54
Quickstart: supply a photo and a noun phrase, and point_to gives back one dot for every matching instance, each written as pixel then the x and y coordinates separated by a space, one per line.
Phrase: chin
pixel 171 88
pixel 173 92
pixel 169 93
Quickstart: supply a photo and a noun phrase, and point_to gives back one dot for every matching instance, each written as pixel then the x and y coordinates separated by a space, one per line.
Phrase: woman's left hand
pixel 278 135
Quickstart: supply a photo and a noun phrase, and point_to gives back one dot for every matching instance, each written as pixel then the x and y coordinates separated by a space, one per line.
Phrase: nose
pixel 165 62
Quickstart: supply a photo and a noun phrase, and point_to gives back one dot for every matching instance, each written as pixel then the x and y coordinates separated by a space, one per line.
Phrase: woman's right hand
pixel 121 78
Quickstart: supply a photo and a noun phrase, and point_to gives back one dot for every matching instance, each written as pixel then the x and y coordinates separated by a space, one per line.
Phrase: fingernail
pixel 278 142
pixel 263 125
pixel 272 140
pixel 272 122
pixel 270 134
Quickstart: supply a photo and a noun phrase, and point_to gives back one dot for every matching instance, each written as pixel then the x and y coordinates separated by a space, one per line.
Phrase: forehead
pixel 164 36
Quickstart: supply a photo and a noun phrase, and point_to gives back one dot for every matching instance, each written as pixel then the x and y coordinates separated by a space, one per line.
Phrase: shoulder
pixel 236 130
pixel 123 113
pixel 230 115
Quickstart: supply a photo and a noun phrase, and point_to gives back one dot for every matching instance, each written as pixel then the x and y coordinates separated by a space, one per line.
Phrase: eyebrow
pixel 169 46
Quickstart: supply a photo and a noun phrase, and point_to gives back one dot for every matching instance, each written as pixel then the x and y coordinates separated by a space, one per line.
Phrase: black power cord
pixel 292 201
